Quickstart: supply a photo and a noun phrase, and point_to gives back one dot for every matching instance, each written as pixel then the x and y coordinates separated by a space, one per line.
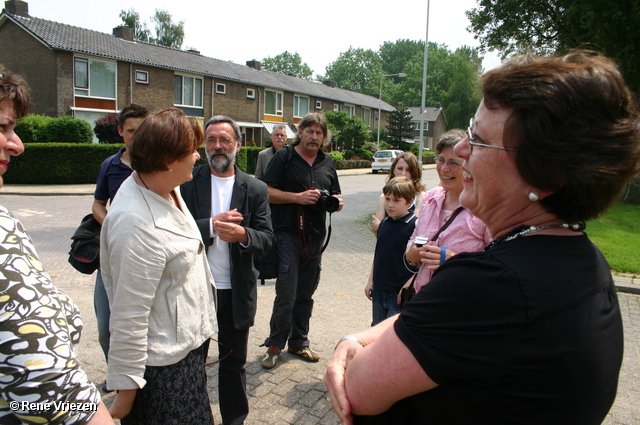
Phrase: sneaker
pixel 271 358
pixel 306 353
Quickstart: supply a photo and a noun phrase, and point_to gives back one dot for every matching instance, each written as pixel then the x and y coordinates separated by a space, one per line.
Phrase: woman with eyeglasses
pixel 456 228
pixel 405 164
pixel 527 331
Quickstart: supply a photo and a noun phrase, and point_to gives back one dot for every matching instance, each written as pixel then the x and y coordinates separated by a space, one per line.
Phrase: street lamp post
pixel 401 75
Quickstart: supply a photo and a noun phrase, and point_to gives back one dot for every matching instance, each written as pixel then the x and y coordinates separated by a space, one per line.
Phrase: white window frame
pixel 221 88
pixel 194 94
pixel 318 104
pixel 336 107
pixel 350 110
pixel 366 111
pixel 85 91
pixel 251 93
pixel 279 97
pixel 296 105
pixel 142 77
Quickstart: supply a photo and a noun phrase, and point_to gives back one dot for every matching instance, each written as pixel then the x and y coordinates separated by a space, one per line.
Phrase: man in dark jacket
pixel 231 210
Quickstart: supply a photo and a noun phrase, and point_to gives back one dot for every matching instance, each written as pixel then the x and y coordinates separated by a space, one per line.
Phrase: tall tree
pixel 166 32
pixel 356 69
pixel 348 132
pixel 131 19
pixel 400 127
pixel 288 63
pixel 395 55
pixel 555 26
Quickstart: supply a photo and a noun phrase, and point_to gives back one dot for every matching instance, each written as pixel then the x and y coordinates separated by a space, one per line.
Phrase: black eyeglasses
pixel 451 163
pixel 473 137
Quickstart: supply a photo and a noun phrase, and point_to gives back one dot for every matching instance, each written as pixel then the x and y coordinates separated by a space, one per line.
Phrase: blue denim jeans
pixel 103 314
pixel 385 305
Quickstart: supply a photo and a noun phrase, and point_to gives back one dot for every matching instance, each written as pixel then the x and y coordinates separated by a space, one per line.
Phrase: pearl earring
pixel 533 196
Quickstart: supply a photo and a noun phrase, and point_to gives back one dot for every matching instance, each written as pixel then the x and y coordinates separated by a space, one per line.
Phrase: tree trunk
pixel 631 194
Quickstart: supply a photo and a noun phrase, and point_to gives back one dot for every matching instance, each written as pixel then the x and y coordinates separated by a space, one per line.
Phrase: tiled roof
pixel 79 40
pixel 431 114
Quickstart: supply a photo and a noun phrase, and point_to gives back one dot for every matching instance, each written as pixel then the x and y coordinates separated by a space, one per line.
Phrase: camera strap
pixel 445 225
pixel 303 235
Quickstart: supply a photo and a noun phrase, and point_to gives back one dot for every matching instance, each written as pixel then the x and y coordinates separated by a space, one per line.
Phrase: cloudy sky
pixel 238 31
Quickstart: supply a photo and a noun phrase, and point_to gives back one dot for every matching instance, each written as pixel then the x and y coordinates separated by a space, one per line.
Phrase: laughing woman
pixel 528 331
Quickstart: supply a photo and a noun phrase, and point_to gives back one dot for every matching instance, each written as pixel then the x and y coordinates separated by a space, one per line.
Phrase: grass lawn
pixel 617 234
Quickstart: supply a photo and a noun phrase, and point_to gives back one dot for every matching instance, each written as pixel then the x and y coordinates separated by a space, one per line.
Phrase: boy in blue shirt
pixel 389 271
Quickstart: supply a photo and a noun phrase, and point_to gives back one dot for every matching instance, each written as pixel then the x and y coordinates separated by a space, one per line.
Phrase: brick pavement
pixel 292 392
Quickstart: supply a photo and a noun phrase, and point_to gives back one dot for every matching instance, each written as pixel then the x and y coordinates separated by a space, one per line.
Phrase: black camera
pixel 328 203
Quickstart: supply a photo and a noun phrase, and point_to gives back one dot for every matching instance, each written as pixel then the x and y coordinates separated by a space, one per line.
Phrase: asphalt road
pixel 292 392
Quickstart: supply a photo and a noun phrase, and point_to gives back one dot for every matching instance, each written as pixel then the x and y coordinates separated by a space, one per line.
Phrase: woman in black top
pixel 527 331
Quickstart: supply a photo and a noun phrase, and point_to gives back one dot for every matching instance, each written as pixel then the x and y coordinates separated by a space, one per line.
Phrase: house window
pixel 94 78
pixel 300 106
pixel 251 94
pixel 366 116
pixel 142 77
pixel 272 102
pixel 187 90
pixel 350 110
pixel 221 88
pixel 336 107
pixel 318 104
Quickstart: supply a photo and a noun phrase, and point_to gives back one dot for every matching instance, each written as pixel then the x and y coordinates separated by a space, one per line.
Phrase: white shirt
pixel 218 252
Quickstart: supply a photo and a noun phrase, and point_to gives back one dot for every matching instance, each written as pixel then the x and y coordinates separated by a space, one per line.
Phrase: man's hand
pixel 232 216
pixel 230 232
pixel 340 204
pixel 308 197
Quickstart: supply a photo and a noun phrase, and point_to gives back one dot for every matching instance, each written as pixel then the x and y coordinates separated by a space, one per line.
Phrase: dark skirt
pixel 174 394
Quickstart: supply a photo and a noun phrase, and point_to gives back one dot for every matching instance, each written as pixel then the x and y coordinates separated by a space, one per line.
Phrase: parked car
pixel 382 160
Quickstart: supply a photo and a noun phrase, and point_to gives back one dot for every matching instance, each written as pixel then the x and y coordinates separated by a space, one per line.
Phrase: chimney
pixel 193 51
pixel 437 106
pixel 17 7
pixel 329 83
pixel 254 64
pixel 124 33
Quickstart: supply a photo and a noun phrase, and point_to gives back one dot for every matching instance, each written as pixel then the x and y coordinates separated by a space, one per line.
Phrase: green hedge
pixel 59 163
pixel 347 164
pixel 73 163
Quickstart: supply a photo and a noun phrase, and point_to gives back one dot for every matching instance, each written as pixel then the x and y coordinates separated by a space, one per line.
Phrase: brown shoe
pixel 306 353
pixel 271 358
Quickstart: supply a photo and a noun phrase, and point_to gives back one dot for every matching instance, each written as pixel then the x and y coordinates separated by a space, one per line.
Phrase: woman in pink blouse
pixel 465 232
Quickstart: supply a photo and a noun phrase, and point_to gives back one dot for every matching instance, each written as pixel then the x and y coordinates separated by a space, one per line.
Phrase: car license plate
pixel 383 160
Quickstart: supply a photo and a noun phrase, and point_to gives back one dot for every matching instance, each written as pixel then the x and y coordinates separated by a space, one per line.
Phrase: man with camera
pixel 303 186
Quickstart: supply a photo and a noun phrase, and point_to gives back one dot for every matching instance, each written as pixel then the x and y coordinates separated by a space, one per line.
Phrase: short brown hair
pixel 310 119
pixel 163 137
pixel 575 125
pixel 401 187
pixel 449 139
pixel 414 168
pixel 14 89
pixel 131 111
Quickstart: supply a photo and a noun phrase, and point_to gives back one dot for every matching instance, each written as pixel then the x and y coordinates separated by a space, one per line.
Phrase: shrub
pixel 350 164
pixel 363 153
pixel 349 154
pixel 67 129
pixel 30 129
pixel 106 129
pixel 336 155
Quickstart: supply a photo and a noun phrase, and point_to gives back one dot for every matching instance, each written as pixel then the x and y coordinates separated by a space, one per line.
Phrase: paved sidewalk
pixel 292 392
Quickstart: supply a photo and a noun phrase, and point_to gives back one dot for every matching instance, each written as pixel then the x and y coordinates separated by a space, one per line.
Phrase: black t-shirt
pixel 296 175
pixel 389 269
pixel 528 332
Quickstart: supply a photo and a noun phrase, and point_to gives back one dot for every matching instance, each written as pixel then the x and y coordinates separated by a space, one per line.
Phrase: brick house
pixel 85 73
pixel 435 125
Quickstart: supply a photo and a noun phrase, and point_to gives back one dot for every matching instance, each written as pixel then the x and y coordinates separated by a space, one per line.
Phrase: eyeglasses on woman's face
pixel 451 163
pixel 474 140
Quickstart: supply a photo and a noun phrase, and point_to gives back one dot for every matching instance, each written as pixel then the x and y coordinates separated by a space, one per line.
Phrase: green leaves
pixel 288 63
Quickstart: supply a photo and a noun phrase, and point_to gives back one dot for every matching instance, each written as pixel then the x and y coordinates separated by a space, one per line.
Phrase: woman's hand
pixel 123 403
pixel 431 255
pixel 334 379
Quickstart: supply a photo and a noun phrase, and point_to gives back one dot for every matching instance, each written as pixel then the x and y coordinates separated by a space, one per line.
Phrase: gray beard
pixel 221 165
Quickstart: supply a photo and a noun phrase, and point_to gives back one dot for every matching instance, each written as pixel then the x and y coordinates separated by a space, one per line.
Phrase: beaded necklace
pixel 524 230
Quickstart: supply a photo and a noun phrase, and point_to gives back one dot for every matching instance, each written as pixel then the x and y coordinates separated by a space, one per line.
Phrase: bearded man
pixel 232 212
